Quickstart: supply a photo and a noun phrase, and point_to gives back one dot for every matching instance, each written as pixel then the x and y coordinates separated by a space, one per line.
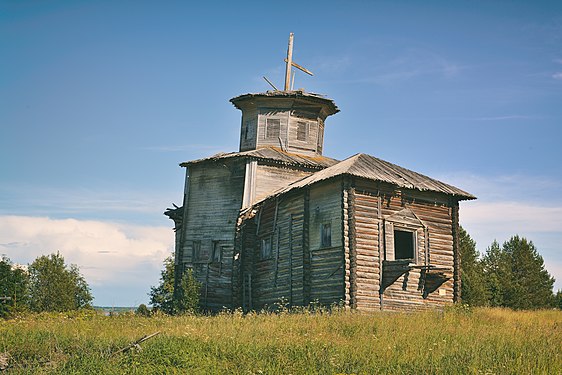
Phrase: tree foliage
pixel 56 287
pixel 511 275
pixel 13 288
pixel 165 298
pixel 517 276
pixel 473 290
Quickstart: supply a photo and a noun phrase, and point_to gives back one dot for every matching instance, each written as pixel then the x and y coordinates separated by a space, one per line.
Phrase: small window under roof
pixel 272 128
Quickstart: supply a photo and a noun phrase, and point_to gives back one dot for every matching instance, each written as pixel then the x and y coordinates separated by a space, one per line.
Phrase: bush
pixel 142 310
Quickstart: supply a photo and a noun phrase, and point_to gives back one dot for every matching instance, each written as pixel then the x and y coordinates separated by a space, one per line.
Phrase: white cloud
pixel 502 118
pixel 107 253
pixel 507 205
pixel 557 75
pixel 512 217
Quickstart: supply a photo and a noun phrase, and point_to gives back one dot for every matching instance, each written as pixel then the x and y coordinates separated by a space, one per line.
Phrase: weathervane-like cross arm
pixel 290 63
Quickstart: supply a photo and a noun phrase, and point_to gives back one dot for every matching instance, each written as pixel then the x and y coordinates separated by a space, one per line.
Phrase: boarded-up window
pixel 404 244
pixel 326 235
pixel 216 255
pixel 320 136
pixel 272 128
pixel 302 131
pixel 266 248
pixel 196 247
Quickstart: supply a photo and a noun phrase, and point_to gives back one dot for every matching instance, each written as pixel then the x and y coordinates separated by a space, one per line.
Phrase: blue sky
pixel 100 101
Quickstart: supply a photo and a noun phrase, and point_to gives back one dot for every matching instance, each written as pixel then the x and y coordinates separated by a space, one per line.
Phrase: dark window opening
pixel 326 235
pixel 272 128
pixel 403 244
pixel 266 248
pixel 302 131
pixel 246 130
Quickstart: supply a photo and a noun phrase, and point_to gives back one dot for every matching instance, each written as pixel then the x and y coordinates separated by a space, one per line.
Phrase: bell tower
pixel 291 120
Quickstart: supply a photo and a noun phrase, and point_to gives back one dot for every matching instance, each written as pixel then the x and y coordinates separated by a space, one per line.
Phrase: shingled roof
pixel 295 94
pixel 369 167
pixel 272 155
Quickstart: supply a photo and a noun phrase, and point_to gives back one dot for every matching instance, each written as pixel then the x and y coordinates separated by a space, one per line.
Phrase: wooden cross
pixel 290 63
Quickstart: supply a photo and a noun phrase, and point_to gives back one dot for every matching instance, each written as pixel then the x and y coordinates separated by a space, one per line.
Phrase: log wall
pixel 327 262
pixel 407 291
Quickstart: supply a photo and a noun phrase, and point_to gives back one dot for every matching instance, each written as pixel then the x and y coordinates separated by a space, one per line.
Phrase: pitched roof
pixel 272 155
pixel 369 167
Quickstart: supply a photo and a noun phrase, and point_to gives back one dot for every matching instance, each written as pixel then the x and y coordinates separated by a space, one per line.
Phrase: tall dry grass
pixel 455 341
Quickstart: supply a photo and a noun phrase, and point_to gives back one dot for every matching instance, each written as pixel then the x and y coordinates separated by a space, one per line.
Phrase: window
pixel 266 248
pixel 246 128
pixel 272 128
pixel 404 244
pixel 196 248
pixel 326 235
pixel 320 140
pixel 302 131
pixel 216 255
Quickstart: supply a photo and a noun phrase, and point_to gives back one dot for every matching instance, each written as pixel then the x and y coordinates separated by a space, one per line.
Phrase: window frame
pixel 413 246
pixel 263 241
pixel 196 254
pixel 406 220
pixel 269 124
pixel 306 132
pixel 217 249
pixel 325 236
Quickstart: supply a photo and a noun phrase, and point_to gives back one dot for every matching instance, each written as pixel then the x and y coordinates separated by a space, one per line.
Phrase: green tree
pixel 516 275
pixel 13 288
pixel 188 294
pixel 162 296
pixel 497 274
pixel 187 297
pixel 56 287
pixel 473 291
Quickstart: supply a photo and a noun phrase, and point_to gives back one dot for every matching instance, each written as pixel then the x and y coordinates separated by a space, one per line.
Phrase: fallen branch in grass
pixel 135 344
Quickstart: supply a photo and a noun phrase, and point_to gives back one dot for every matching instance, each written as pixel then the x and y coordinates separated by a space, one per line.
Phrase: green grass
pixel 456 341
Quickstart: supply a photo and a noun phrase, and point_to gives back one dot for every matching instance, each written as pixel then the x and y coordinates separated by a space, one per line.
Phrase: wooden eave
pixel 330 108
pixel 271 155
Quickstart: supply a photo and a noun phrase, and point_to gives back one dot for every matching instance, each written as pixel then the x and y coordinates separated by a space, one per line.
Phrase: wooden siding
pixel 248 130
pixel 271 178
pixel 308 146
pixel 327 263
pixel 279 276
pixel 213 188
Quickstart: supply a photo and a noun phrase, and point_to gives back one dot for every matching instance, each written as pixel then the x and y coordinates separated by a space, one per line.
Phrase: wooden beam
pixel 289 60
pixel 300 67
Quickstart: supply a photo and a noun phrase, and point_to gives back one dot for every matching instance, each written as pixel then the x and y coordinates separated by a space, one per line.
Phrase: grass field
pixel 456 341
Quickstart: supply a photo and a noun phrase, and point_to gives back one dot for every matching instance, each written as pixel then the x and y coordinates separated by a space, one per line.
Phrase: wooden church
pixel 278 220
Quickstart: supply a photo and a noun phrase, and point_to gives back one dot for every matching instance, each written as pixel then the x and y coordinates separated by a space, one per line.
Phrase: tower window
pixel 302 131
pixel 403 244
pixel 272 128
